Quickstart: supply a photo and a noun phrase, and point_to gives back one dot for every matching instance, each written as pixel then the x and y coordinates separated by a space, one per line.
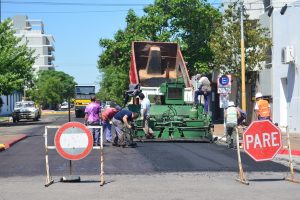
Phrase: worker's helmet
pixel 258 95
pixel 230 103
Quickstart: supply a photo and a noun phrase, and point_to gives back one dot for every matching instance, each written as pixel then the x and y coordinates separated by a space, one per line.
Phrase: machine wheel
pixel 15 119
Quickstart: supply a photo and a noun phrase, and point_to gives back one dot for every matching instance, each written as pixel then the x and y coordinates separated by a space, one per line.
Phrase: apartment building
pixel 32 32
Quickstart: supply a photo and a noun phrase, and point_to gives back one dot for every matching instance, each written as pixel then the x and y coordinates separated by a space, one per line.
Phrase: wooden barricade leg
pixel 101 159
pixel 241 178
pixel 49 179
pixel 291 177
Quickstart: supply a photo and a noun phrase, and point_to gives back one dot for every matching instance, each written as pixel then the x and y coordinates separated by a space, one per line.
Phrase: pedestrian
pixel 262 108
pixel 204 89
pixel 120 122
pixel 106 117
pixel 231 116
pixel 92 118
pixel 145 116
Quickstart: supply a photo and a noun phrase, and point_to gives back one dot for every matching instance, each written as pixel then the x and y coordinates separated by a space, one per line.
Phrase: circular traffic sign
pixel 73 141
pixel 262 140
pixel 224 80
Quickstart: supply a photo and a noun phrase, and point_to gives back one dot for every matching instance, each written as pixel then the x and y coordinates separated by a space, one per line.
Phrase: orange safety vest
pixel 263 108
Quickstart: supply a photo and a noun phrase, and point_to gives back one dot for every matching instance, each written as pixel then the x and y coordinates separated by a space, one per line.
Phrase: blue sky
pixel 77 30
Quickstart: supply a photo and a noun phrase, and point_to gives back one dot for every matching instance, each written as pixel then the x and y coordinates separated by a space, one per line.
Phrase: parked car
pixel 64 106
pixel 26 110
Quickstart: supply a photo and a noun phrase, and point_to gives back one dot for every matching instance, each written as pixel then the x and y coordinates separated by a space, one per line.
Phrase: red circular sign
pixel 73 141
pixel 262 140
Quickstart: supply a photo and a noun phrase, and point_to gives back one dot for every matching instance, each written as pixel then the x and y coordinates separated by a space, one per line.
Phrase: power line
pixel 72 12
pixel 72 4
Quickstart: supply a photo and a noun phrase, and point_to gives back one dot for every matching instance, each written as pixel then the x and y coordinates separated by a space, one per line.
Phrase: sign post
pixel 241 178
pixel 73 141
pixel 262 140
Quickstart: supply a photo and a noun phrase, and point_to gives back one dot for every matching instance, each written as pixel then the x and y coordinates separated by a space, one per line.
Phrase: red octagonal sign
pixel 262 140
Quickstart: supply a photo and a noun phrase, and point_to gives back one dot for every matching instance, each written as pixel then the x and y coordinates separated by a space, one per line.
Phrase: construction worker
pixel 262 108
pixel 92 118
pixel 120 122
pixel 231 116
pixel 145 115
pixel 204 89
pixel 106 117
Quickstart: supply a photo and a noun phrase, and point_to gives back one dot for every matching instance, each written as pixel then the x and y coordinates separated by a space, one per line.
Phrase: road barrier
pixel 73 141
pixel 291 177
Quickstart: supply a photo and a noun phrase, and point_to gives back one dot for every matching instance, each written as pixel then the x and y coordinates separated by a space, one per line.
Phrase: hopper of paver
pixel 154 63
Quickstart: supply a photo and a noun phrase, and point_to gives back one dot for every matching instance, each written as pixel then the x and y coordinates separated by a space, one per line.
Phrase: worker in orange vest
pixel 262 108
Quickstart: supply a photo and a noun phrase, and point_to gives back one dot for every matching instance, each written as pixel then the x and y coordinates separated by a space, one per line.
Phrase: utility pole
pixel 243 57
pixel 0 12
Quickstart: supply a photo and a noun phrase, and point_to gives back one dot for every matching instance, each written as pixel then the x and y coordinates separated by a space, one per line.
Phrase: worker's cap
pixel 230 103
pixel 118 107
pixel 141 95
pixel 258 95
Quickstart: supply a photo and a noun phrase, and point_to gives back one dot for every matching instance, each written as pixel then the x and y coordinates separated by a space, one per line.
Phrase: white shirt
pixel 145 104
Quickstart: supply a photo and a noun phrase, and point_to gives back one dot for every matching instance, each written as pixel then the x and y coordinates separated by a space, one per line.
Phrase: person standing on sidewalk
pixel 106 118
pixel 120 122
pixel 262 108
pixel 231 116
pixel 145 116
pixel 92 118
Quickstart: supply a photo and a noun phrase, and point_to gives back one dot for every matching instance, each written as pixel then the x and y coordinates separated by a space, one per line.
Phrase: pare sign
pixel 262 140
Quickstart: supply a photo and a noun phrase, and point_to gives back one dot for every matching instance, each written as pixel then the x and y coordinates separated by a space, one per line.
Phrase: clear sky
pixel 77 29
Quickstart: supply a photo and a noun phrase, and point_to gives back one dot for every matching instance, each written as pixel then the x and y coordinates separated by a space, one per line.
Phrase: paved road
pixel 152 170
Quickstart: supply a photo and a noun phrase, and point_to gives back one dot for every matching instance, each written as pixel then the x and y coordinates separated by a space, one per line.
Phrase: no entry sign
pixel 73 141
pixel 262 140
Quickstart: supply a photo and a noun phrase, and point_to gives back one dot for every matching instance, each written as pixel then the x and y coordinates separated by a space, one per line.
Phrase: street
pixel 152 170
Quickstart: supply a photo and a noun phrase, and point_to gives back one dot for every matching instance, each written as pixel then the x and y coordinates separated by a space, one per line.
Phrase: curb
pixel 12 142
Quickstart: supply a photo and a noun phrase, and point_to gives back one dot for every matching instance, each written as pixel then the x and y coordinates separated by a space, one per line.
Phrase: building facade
pixel 280 79
pixel 32 33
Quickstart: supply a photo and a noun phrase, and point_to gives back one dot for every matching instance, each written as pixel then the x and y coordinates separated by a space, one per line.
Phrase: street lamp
pixel 243 58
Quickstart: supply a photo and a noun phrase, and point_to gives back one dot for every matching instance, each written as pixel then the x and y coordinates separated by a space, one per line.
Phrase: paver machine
pixel 159 71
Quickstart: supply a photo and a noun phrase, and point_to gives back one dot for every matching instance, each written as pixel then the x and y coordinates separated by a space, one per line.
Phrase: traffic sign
pixel 73 141
pixel 224 84
pixel 262 140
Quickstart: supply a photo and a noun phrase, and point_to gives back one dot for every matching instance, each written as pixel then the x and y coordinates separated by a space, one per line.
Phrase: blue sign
pixel 224 80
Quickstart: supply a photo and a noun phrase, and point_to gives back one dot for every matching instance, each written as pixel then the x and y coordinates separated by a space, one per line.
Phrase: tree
pixel 188 22
pixel 53 87
pixel 16 61
pixel 225 43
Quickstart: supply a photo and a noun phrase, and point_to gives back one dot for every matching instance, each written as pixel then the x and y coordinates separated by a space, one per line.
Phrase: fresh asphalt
pixel 27 157
pixel 175 171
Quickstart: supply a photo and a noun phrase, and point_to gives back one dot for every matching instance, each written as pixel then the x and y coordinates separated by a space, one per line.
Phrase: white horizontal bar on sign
pixel 51 147
pixel 94 127
pixel 97 147
pixel 53 126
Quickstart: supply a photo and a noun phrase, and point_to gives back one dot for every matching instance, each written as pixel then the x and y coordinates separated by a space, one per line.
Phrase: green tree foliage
pixel 16 61
pixel 225 43
pixel 189 22
pixel 53 87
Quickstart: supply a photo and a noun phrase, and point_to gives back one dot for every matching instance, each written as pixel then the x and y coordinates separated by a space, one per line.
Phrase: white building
pixel 32 33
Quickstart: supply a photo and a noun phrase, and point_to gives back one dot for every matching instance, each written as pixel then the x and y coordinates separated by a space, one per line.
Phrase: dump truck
pixel 159 71
pixel 83 94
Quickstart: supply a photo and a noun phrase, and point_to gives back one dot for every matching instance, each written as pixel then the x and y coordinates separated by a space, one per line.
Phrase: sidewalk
pixel 294 139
